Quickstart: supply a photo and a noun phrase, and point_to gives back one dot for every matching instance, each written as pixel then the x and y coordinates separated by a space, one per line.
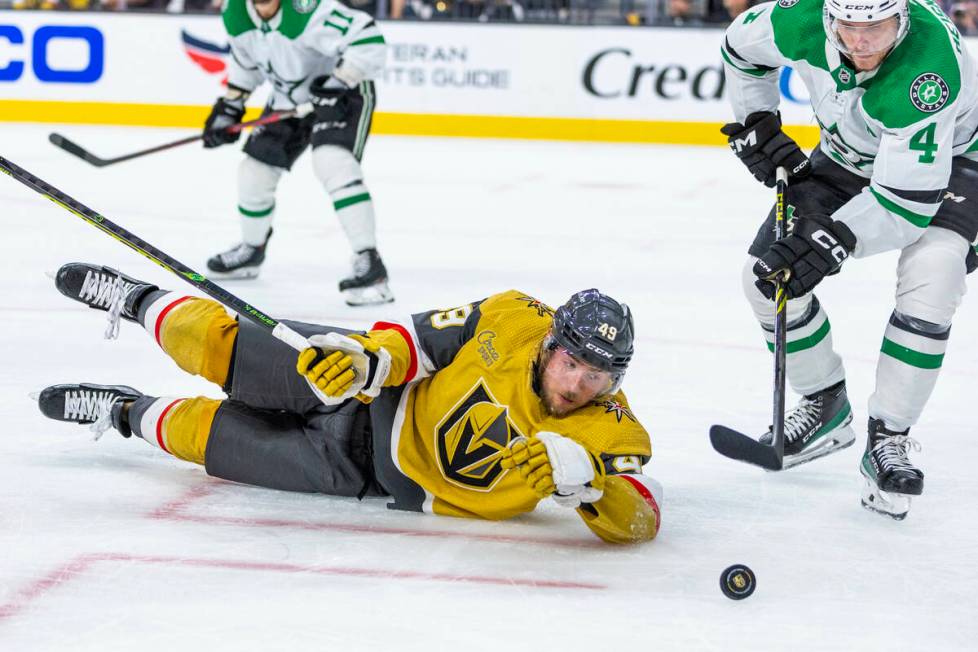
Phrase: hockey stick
pixel 737 445
pixel 274 327
pixel 74 148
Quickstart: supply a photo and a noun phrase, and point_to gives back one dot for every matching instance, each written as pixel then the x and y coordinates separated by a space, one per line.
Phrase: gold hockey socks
pixel 197 333
pixel 179 426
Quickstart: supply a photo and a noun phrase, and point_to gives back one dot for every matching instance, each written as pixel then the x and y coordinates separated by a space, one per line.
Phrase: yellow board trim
pixel 401 124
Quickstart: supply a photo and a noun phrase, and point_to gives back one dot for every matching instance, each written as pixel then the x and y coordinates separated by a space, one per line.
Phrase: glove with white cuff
pixel 554 465
pixel 338 368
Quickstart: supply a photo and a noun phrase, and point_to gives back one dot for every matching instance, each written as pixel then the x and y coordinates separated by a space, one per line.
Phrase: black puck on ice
pixel 737 582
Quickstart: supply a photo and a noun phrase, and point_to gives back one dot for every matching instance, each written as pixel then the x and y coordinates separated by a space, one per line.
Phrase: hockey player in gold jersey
pixel 478 411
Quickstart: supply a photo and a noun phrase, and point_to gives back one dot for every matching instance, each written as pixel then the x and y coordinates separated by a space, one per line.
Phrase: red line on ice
pixel 83 563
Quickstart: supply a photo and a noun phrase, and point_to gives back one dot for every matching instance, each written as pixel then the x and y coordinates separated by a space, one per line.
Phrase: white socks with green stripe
pixel 811 362
pixel 910 362
pixel 256 199
pixel 341 176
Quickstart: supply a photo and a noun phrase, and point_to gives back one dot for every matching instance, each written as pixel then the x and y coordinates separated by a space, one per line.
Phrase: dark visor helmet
pixel 595 329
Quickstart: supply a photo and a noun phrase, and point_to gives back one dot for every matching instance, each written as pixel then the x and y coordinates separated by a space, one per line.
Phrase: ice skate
pixel 87 403
pixel 890 478
pixel 817 426
pixel 96 286
pixel 368 284
pixel 240 262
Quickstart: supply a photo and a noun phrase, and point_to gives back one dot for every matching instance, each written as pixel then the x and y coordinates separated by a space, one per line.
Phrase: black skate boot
pixel 817 426
pixel 95 286
pixel 240 262
pixel 368 285
pixel 87 403
pixel 890 477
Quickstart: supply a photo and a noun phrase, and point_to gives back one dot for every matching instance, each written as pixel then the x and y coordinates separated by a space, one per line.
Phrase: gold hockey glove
pixel 338 368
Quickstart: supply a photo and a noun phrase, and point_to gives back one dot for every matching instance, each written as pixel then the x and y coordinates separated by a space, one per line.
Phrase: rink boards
pixel 615 84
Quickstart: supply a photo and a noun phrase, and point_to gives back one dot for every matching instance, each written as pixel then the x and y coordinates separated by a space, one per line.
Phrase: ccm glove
pixel 338 367
pixel 225 113
pixel 554 465
pixel 816 247
pixel 329 99
pixel 763 147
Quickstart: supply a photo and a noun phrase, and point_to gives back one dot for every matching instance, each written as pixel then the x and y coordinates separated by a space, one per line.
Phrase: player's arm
pixel 243 77
pixel 628 511
pixel 609 492
pixel 910 177
pixel 339 367
pixel 353 38
pixel 751 60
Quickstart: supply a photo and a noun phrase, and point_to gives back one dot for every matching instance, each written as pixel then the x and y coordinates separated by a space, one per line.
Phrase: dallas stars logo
pixel 929 92
pixel 541 308
pixel 284 86
pixel 617 408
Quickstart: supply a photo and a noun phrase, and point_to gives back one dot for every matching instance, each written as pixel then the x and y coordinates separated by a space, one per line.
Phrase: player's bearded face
pixel 567 383
pixel 868 43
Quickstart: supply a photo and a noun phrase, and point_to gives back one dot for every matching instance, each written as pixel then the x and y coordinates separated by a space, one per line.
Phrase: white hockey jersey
pixel 898 125
pixel 304 39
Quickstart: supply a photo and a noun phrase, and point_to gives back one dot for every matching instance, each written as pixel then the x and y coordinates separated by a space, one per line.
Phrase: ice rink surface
pixel 116 546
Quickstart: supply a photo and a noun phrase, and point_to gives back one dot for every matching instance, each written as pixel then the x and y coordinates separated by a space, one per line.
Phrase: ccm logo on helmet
pixel 598 350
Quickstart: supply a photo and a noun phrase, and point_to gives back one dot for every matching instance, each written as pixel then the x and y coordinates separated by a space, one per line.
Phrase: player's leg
pixel 930 286
pixel 820 423
pixel 329 452
pixel 337 151
pixel 270 151
pixel 198 334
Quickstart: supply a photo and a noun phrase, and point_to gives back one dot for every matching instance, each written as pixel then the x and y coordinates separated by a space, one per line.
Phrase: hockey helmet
pixel 861 27
pixel 597 330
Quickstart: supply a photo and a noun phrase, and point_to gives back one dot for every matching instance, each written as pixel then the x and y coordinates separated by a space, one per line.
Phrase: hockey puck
pixel 737 582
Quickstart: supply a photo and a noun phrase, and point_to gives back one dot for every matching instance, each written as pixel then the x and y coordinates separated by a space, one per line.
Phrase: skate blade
pixel 243 274
pixel 839 440
pixel 373 295
pixel 886 503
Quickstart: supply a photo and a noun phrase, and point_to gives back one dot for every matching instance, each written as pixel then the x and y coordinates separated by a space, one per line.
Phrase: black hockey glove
pixel 763 147
pixel 816 247
pixel 225 113
pixel 330 103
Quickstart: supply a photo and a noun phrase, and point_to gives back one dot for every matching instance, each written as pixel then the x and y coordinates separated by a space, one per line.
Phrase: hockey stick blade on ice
pixel 75 149
pixel 739 446
pixel 134 242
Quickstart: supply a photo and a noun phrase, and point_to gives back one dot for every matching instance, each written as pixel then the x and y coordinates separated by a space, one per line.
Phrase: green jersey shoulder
pixel 294 15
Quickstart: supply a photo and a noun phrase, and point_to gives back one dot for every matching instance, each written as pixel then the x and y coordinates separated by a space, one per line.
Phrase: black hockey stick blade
pixel 73 148
pixel 738 446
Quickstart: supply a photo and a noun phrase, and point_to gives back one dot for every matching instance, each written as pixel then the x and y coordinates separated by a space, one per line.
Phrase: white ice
pixel 116 546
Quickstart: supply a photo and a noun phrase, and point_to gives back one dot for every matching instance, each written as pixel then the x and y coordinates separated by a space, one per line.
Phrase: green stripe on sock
pixel 918 220
pixel 350 201
pixel 262 213
pixel 805 342
pixel 911 357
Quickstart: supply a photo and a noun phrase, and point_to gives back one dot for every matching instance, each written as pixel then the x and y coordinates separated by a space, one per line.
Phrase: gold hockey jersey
pixel 461 389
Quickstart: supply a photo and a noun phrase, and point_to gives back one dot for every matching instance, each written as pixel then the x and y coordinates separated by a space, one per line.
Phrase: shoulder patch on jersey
pixel 921 76
pixel 295 17
pixel 619 409
pixel 929 92
pixel 305 6
pixel 787 4
pixel 541 308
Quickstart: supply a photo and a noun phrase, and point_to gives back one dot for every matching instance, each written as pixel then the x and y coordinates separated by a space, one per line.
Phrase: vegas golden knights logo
pixel 471 438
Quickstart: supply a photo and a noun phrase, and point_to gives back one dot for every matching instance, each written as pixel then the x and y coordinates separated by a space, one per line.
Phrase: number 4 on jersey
pixel 923 141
